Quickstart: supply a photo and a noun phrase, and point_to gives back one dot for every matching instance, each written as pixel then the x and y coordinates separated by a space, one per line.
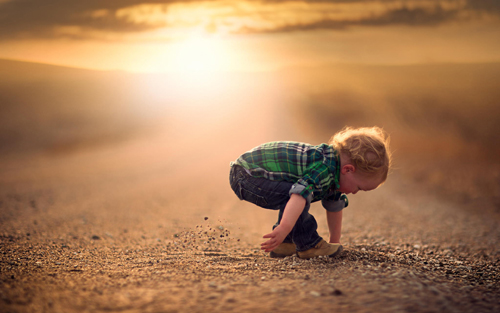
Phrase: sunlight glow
pixel 197 66
pixel 200 55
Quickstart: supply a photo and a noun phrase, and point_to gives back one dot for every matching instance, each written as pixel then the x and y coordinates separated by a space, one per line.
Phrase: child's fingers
pixel 268 235
pixel 269 243
pixel 273 242
pixel 268 248
pixel 271 234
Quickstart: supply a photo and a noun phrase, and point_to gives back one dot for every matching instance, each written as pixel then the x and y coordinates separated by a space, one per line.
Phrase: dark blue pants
pixel 274 195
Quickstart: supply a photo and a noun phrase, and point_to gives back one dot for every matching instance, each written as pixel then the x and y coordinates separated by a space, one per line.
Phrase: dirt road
pixel 141 226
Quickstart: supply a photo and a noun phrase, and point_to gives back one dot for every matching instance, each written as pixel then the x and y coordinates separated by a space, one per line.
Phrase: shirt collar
pixel 334 165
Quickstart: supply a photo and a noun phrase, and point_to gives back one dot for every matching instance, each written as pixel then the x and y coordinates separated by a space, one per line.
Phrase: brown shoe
pixel 283 250
pixel 322 248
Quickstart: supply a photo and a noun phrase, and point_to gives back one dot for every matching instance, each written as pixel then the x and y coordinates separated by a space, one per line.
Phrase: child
pixel 288 176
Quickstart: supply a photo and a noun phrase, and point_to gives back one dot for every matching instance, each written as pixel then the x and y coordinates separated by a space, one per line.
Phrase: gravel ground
pixel 98 232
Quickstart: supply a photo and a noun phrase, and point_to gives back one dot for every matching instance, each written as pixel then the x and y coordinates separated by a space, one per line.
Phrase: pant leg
pixel 274 195
pixel 304 234
pixel 265 193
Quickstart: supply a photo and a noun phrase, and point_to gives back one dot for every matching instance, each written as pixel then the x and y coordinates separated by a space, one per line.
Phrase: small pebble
pixel 315 294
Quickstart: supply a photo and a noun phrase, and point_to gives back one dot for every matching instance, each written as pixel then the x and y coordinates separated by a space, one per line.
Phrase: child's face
pixel 351 181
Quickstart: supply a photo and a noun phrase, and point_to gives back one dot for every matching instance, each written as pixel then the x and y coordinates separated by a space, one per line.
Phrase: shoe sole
pixel 333 255
pixel 275 255
pixel 336 252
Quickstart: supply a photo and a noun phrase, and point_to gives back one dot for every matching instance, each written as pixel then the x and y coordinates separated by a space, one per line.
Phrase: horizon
pixel 276 70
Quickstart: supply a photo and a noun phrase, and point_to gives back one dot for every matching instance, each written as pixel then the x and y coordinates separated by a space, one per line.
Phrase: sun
pixel 199 55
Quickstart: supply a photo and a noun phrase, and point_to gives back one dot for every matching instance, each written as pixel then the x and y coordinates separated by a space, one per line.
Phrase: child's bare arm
pixel 334 220
pixel 293 209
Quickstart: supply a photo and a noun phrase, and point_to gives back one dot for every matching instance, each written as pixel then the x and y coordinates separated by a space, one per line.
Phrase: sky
pixel 219 35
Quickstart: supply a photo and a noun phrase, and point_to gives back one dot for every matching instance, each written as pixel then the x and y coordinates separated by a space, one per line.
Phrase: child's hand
pixel 276 238
pixel 293 209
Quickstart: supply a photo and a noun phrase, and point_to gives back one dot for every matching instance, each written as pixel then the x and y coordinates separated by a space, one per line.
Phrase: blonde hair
pixel 366 147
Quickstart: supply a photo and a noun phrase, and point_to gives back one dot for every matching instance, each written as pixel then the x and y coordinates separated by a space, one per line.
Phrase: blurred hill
pixel 443 118
pixel 49 107
pixel 46 108
pixel 44 105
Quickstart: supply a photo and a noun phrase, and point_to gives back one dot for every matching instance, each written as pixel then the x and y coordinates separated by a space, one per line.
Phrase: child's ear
pixel 348 168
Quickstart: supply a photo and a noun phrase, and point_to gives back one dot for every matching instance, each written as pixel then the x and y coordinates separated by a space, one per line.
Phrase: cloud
pixel 342 15
pixel 37 18
pixel 484 5
pixel 112 19
pixel 403 16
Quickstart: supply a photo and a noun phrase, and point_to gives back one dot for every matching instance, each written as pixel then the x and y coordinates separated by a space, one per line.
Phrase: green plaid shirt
pixel 314 170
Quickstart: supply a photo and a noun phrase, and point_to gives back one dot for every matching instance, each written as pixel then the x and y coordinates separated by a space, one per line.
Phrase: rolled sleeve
pixel 303 191
pixel 335 205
